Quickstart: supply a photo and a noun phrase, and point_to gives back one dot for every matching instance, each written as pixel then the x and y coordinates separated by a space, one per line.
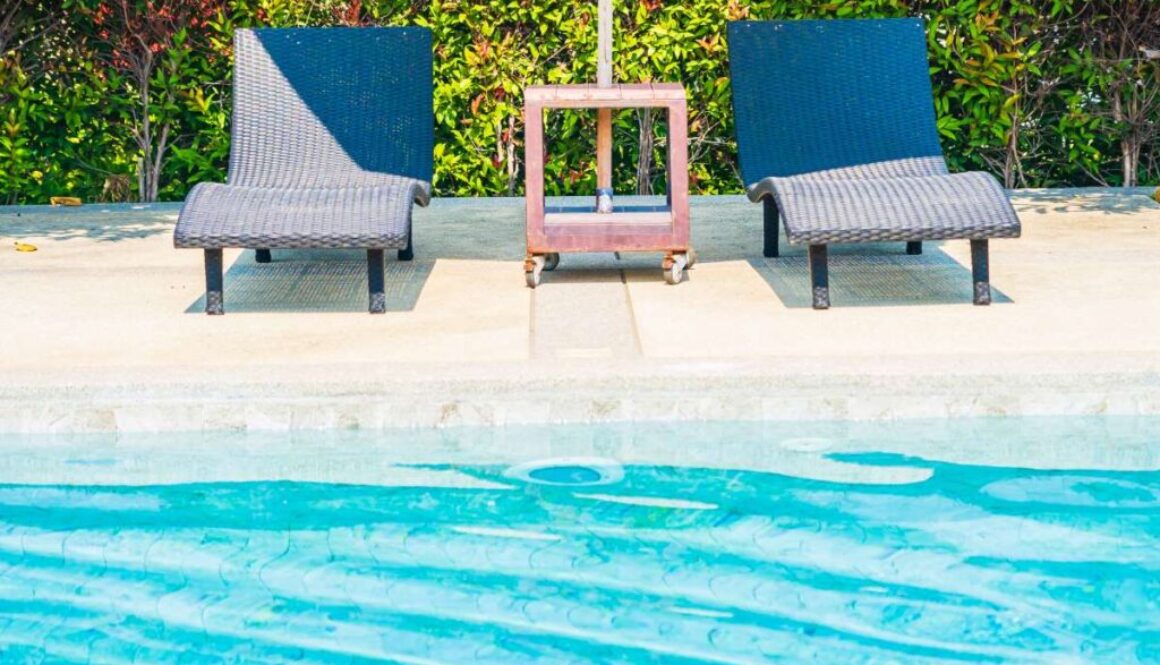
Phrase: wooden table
pixel 552 230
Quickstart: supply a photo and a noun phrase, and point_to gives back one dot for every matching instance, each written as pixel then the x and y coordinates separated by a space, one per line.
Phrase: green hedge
pixel 1039 92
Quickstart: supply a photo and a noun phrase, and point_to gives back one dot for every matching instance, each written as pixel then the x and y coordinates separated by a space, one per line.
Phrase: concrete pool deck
pixel 101 329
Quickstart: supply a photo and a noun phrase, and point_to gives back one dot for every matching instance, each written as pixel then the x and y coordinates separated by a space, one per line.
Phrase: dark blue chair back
pixel 332 106
pixel 818 95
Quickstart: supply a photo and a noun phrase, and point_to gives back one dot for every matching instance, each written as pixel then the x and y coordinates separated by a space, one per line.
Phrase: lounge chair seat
pixel 366 217
pixel 330 147
pixel 838 140
pixel 938 207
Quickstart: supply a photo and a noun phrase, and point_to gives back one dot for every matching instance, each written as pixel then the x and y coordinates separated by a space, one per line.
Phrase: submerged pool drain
pixel 573 472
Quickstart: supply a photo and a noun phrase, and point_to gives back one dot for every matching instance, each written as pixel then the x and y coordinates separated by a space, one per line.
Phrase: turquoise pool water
pixel 828 544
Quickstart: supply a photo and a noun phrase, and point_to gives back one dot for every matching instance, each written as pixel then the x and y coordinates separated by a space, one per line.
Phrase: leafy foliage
pixel 130 98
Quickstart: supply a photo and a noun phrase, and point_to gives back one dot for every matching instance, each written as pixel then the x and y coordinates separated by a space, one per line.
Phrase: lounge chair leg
pixel 213 282
pixel 914 248
pixel 771 219
pixel 376 279
pixel 262 256
pixel 820 276
pixel 981 272
pixel 408 252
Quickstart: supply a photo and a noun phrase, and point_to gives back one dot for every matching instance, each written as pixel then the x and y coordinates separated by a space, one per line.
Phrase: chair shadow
pixel 316 280
pixel 874 275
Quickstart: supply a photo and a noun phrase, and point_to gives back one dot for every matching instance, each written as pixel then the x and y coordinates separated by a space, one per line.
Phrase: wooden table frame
pixel 660 228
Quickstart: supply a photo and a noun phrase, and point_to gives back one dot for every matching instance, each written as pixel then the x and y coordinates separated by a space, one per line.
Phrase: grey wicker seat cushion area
pixel 331 142
pixel 365 217
pixel 932 207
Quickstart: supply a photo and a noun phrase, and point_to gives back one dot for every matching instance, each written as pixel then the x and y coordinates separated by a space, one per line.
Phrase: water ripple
pixel 681 565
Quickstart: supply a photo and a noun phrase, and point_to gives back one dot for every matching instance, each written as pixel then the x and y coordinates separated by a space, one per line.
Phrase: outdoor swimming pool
pixel 979 541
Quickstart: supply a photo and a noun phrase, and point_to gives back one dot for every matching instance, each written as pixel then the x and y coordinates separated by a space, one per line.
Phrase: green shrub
pixel 1023 88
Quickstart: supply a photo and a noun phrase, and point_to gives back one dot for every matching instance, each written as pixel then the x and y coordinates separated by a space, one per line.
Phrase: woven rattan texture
pixel 899 168
pixel 331 107
pixel 379 216
pixel 818 95
pixel 962 205
pixel 332 142
pixel 835 121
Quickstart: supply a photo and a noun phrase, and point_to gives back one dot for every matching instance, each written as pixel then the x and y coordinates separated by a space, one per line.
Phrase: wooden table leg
pixel 678 171
pixel 534 170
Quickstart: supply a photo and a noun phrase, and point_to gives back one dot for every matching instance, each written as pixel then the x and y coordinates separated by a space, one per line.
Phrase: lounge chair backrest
pixel 331 107
pixel 848 97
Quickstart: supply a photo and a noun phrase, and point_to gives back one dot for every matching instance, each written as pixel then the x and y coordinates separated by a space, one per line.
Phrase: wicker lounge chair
pixel 332 141
pixel 837 136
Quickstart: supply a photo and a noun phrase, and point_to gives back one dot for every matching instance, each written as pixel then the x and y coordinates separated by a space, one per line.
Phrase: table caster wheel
pixel 692 258
pixel 551 260
pixel 676 272
pixel 533 267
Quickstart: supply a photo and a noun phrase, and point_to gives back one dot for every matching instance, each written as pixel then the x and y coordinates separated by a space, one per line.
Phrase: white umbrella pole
pixel 604 116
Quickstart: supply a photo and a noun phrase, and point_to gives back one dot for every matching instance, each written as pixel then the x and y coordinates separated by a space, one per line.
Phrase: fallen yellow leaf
pixel 25 247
